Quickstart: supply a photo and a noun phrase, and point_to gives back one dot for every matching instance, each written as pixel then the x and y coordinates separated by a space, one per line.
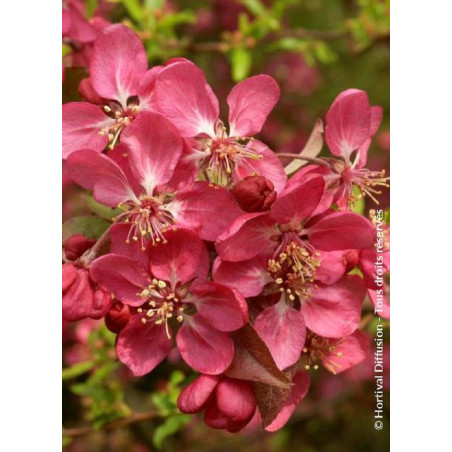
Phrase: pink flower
pixel 184 97
pixel 168 293
pixel 227 403
pixel 336 354
pixel 350 125
pixel 82 298
pixel 289 228
pixel 279 250
pixel 119 87
pixel 136 176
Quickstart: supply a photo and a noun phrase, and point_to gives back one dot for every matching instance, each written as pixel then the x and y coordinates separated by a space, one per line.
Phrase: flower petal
pixel 99 173
pixel 78 298
pixel 223 308
pixel 120 244
pixel 177 260
pixel 117 63
pixel 341 231
pixel 206 350
pixel 193 398
pixel 249 236
pixel 205 209
pixel 183 96
pixel 376 115
pixel 346 353
pixel 284 331
pixel 335 310
pixel 348 122
pixel 82 124
pixel 121 276
pixel 333 265
pixel 269 166
pixel 250 102
pixel 248 277
pixel 154 149
pixel 235 399
pixel 297 202
pixel 142 347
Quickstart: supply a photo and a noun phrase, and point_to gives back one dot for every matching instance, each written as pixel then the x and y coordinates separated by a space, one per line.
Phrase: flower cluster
pixel 256 278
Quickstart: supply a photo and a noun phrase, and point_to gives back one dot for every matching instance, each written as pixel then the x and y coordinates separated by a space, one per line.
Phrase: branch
pixel 313 160
pixel 91 254
pixel 135 418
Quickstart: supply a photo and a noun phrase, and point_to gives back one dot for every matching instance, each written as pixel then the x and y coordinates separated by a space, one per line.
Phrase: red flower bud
pixel 254 193
pixel 82 298
pixel 76 245
pixel 117 317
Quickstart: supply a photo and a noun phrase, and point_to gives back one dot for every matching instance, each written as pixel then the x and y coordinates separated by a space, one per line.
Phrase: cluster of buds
pixel 216 250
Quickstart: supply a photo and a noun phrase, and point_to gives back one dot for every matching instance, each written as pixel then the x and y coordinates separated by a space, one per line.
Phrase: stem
pixel 91 254
pixel 314 160
pixel 135 418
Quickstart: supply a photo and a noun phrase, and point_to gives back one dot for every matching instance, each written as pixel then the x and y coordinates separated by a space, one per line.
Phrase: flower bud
pixel 82 297
pixel 76 245
pixel 254 193
pixel 117 317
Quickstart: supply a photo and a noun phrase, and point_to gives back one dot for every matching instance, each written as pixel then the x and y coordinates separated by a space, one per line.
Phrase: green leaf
pixel 91 6
pixel 90 226
pixel 171 20
pixel 99 209
pixel 241 61
pixel 77 369
pixel 134 9
pixel 324 53
pixel 169 427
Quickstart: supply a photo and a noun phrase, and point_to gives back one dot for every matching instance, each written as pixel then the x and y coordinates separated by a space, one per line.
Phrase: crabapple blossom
pixel 136 177
pixel 170 297
pixel 182 94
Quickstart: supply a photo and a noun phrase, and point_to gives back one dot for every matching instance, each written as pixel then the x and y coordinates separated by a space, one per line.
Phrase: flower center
pixel 161 304
pixel 316 347
pixel 220 156
pixel 123 117
pixel 149 220
pixel 367 181
pixel 293 268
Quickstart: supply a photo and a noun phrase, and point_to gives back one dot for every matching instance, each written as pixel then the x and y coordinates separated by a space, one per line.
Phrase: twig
pixel 135 418
pixel 90 254
pixel 314 160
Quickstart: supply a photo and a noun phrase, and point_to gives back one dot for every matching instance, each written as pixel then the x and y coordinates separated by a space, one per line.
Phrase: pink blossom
pixel 136 177
pixel 184 97
pixel 351 122
pixel 168 294
pixel 279 250
pixel 227 403
pixel 119 88
pixel 336 354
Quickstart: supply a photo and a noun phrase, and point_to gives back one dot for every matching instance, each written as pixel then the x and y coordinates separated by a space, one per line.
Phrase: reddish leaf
pixel 253 360
pixel 270 400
